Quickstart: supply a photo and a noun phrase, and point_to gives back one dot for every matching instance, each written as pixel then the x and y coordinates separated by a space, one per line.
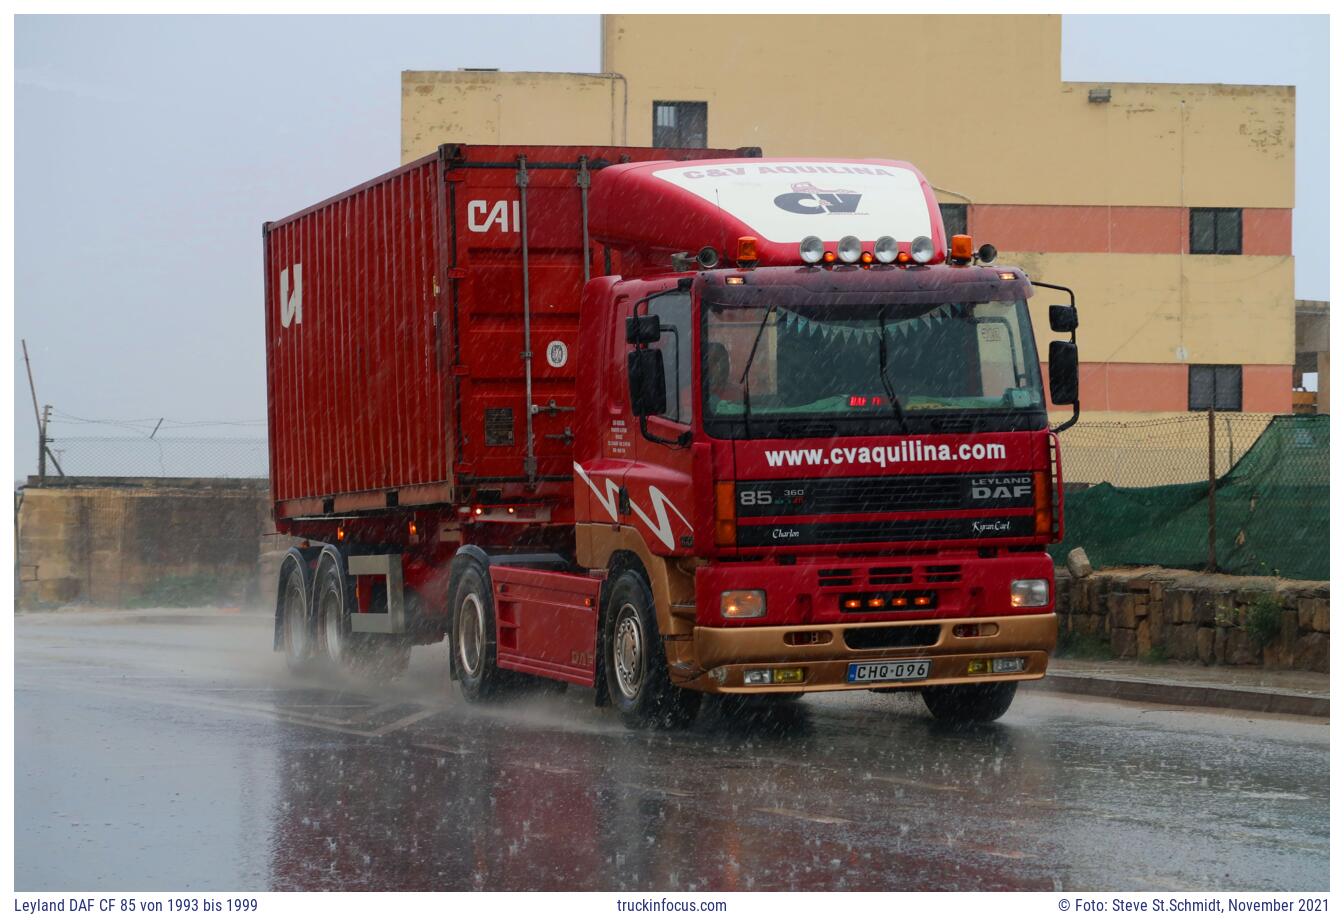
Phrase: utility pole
pixel 42 417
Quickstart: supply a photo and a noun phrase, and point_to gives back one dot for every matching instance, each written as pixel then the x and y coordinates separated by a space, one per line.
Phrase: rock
pixel 1313 653
pixel 1124 643
pixel 1220 645
pixel 1313 614
pixel 1204 644
pixel 1206 607
pixel 1181 642
pixel 1239 649
pixel 1143 638
pixel 1124 611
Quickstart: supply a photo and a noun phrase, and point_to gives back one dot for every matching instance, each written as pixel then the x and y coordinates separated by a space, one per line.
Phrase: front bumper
pixel 823 651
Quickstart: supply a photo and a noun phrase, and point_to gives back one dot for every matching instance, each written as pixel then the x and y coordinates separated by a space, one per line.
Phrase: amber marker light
pixel 340 533
pixel 866 258
pixel 746 251
pixel 725 514
pixel 1041 487
pixel 851 603
pixel 828 257
pixel 411 529
pixel 962 249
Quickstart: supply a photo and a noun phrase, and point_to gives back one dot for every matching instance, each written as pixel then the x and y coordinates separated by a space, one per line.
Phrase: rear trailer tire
pixel 473 643
pixel 373 657
pixel 966 703
pixel 637 678
pixel 296 629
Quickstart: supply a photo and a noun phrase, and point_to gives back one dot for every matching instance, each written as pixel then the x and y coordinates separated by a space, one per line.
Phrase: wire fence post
pixel 1213 492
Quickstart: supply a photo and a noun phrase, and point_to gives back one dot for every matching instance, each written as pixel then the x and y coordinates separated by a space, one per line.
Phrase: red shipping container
pixel 396 328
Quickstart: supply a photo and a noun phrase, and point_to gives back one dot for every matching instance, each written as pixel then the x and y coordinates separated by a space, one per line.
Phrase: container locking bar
pixel 530 462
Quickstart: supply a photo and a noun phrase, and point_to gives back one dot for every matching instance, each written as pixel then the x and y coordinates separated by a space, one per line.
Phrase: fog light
pixel 742 605
pixel 756 676
pixel 966 630
pixel 719 675
pixel 978 666
pixel 1030 592
pixel 1008 665
pixel 788 675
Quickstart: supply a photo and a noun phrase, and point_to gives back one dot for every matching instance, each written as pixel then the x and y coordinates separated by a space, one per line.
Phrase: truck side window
pixel 674 314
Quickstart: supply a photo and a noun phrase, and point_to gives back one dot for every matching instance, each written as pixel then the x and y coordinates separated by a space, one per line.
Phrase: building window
pixel 1215 231
pixel 681 124
pixel 954 218
pixel 1216 386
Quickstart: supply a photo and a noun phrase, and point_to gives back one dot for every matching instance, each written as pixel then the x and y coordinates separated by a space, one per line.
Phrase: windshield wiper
pixel 896 408
pixel 746 387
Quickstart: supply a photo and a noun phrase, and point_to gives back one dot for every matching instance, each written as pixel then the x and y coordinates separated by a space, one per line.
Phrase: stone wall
pixel 1164 614
pixel 138 542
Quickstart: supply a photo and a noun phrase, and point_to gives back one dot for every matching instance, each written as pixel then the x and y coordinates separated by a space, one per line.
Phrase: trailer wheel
pixel 296 630
pixel 372 657
pixel 970 702
pixel 473 644
pixel 636 665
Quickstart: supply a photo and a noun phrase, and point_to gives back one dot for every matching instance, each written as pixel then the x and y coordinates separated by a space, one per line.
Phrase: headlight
pixel 921 249
pixel 849 249
pixel 811 249
pixel 885 249
pixel 742 605
pixel 1030 592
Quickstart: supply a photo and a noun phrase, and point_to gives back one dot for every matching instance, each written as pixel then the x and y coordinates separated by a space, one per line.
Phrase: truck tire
pixel 636 665
pixel 296 629
pixel 967 703
pixel 472 643
pixel 377 658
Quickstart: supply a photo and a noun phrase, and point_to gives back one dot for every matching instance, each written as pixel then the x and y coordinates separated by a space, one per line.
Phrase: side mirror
pixel 648 383
pixel 1063 318
pixel 641 330
pixel 1063 372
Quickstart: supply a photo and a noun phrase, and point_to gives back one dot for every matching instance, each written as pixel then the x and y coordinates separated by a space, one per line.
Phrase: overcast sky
pixel 149 149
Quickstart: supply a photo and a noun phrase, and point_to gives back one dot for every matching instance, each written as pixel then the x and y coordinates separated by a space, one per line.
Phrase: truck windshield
pixel 826 366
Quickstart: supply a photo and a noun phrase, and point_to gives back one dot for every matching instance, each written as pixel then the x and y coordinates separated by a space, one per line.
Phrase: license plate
pixel 863 671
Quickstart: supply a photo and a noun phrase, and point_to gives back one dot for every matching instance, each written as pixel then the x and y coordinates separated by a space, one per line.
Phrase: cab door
pixel 658 482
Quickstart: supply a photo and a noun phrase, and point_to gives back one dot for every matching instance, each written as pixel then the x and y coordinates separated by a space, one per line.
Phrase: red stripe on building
pixel 1121 387
pixel 1099 228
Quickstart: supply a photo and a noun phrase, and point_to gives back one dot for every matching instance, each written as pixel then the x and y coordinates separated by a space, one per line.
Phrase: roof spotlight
pixel 885 249
pixel 811 249
pixel 921 249
pixel 707 257
pixel 987 254
pixel 849 249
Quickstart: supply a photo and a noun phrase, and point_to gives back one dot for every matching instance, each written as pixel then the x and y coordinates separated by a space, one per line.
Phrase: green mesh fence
pixel 1272 511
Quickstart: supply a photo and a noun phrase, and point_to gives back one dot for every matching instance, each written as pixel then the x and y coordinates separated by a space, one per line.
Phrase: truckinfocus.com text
pixel 649 905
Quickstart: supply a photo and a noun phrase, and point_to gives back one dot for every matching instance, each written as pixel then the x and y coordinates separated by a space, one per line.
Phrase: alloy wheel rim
pixel 470 634
pixel 628 648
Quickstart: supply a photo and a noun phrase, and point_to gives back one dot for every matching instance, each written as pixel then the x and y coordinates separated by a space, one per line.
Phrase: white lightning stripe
pixel 662 529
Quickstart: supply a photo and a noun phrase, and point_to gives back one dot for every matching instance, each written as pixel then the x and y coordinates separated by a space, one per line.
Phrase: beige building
pixel 1168 208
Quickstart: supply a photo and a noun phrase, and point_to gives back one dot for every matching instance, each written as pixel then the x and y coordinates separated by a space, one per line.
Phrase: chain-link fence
pixel 1158 451
pixel 230 458
pixel 1152 501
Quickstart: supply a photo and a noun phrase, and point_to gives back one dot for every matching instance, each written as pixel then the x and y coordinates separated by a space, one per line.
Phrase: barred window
pixel 681 124
pixel 1215 231
pixel 1216 386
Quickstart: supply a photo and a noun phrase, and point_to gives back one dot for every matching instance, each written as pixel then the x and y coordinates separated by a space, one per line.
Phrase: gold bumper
pixel 822 652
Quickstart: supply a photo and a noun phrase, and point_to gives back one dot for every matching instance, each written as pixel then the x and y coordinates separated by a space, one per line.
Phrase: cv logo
pixel 806 198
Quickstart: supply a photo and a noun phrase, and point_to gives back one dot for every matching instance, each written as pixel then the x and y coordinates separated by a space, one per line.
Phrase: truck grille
pixel 883 494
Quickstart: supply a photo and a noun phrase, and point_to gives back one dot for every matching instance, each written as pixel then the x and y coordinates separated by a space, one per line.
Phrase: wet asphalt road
pixel 171 751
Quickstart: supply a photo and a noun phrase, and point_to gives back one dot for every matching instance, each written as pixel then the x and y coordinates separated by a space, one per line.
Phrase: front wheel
pixel 473 643
pixel 964 703
pixel 636 665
